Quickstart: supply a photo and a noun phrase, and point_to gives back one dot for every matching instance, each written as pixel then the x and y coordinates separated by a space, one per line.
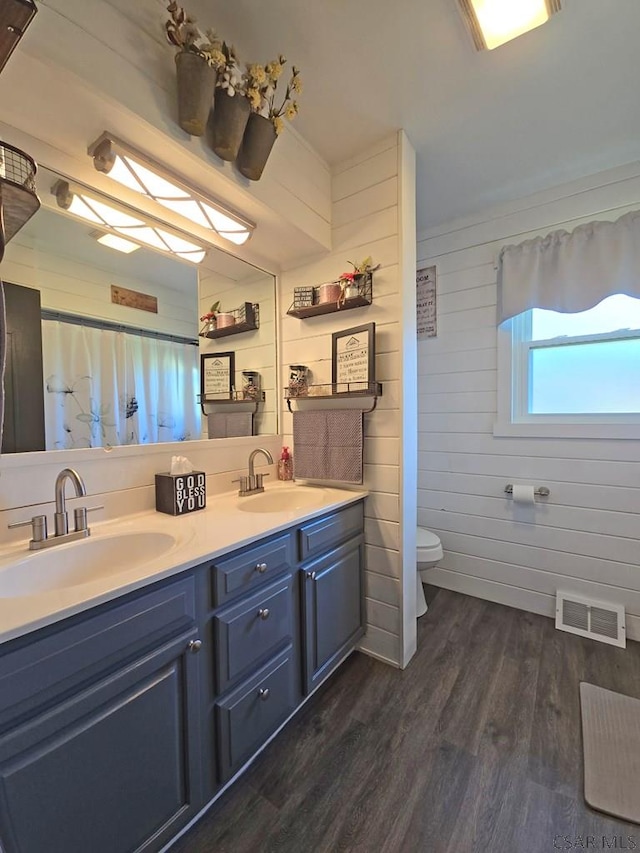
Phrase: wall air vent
pixel 588 618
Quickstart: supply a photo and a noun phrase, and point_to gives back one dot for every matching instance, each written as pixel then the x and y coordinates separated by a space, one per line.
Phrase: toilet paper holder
pixel 539 491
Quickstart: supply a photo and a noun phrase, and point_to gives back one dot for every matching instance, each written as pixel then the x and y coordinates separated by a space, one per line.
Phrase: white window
pixel 575 375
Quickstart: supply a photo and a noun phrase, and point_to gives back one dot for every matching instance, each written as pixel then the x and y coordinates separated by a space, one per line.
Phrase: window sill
pixel 567 430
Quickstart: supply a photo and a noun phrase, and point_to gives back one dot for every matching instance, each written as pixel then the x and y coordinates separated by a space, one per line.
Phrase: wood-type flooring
pixel 475 746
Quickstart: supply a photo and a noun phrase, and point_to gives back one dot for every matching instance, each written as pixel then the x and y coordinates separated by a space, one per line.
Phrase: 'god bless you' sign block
pixel 177 494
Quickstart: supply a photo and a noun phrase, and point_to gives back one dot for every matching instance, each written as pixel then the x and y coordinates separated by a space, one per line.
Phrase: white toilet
pixel 428 555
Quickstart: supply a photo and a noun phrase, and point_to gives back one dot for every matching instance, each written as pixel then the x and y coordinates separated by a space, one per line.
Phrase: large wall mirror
pixel 105 348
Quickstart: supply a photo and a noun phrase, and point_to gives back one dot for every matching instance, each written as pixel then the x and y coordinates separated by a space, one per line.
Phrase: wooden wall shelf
pixel 364 298
pixel 247 320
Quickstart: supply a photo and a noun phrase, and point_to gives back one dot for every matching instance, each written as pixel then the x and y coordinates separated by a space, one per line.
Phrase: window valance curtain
pixel 571 271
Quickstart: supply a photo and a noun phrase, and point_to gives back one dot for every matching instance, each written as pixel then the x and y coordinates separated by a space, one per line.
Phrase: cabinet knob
pixel 311 576
pixel 263 613
pixel 261 567
pixel 264 693
pixel 194 645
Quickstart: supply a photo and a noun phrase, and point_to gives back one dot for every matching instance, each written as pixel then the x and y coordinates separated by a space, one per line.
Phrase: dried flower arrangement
pixel 261 88
pixel 231 77
pixel 364 267
pixel 210 315
pixel 182 32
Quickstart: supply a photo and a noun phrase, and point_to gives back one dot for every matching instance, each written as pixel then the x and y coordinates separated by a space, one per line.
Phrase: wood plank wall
pixel 585 537
pixel 69 285
pixel 365 222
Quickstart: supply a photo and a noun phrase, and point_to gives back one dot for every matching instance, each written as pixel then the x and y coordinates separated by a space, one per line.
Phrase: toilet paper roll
pixel 523 495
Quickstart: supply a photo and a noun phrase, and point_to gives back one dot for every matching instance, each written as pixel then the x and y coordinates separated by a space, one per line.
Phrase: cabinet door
pixel 113 769
pixel 332 609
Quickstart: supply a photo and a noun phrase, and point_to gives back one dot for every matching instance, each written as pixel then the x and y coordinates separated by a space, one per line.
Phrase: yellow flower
pixel 274 70
pixel 278 124
pixel 258 74
pixel 254 98
pixel 215 57
pixel 291 111
pixel 296 84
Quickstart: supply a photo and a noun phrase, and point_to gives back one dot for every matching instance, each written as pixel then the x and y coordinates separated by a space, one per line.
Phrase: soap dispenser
pixel 285 465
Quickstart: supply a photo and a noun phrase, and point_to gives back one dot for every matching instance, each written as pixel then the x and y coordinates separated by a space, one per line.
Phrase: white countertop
pixel 202 535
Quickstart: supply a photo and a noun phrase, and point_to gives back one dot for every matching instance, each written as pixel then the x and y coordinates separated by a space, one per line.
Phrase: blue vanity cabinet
pixel 106 757
pixel 120 724
pixel 332 591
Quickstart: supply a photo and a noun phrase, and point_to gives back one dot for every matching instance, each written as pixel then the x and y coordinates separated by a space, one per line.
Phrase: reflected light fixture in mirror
pixel 113 219
pixel 137 172
pixel 495 22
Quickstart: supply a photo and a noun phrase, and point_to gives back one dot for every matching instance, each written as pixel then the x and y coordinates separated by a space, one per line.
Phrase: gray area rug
pixel 611 739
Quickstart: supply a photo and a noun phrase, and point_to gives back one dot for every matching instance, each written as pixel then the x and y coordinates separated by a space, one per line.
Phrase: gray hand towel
pixel 230 424
pixel 327 445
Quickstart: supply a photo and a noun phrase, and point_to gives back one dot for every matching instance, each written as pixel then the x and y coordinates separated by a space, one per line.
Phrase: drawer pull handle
pixel 261 567
pixel 194 645
pixel 264 693
pixel 311 576
pixel 263 613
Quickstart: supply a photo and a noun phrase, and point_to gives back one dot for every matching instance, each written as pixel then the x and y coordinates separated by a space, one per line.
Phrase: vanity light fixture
pixel 494 22
pixel 137 172
pixel 118 220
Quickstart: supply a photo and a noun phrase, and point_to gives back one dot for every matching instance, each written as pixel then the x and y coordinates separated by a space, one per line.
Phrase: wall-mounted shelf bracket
pixel 235 399
pixel 336 391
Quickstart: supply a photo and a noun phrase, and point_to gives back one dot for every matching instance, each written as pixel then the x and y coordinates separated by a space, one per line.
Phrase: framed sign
pixel 427 322
pixel 353 358
pixel 217 372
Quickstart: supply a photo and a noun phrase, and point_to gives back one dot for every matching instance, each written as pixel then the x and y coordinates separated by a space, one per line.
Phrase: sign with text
pixel 353 356
pixel 177 494
pixel 217 375
pixel 426 303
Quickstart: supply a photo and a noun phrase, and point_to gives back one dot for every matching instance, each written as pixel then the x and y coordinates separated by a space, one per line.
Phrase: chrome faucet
pixel 252 484
pixel 39 538
pixel 60 519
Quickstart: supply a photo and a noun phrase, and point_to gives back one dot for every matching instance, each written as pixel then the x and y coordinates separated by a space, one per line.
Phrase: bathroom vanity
pixel 120 723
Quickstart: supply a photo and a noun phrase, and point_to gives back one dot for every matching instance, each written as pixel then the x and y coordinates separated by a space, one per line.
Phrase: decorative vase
pixel 196 84
pixel 298 380
pixel 329 292
pixel 351 291
pixel 224 320
pixel 259 136
pixel 229 119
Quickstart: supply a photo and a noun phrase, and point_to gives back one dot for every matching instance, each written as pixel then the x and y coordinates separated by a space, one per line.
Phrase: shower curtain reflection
pixel 105 388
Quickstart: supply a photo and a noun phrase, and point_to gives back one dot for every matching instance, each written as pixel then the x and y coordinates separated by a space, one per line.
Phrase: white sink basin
pixel 285 500
pixel 81 562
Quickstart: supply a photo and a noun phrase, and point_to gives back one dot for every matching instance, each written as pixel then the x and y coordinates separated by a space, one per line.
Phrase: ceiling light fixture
pixel 137 172
pixel 113 241
pixel 118 220
pixel 494 22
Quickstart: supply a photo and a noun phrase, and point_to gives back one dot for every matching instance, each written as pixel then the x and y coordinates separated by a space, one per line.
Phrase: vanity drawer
pixel 252 630
pixel 251 567
pixel 254 710
pixel 320 536
pixel 34 670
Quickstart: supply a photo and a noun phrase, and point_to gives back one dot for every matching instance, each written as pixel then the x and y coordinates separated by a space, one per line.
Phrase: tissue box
pixel 177 494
